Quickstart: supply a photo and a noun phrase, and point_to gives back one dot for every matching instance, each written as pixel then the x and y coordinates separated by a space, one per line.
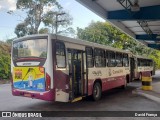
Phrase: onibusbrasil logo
pixel 21 114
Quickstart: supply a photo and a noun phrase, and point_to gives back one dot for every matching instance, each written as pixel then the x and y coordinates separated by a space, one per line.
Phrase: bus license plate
pixel 27 95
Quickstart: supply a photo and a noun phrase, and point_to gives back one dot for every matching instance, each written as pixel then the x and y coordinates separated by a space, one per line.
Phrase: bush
pixel 5 60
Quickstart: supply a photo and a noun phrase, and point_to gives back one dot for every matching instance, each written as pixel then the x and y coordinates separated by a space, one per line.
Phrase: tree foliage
pixel 38 12
pixel 44 31
pixel 104 33
pixel 21 30
pixel 58 19
pixel 5 49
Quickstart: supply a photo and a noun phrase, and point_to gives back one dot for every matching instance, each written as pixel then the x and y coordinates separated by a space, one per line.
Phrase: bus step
pixel 77 99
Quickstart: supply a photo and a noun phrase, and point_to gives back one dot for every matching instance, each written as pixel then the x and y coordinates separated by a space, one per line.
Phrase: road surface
pixel 113 100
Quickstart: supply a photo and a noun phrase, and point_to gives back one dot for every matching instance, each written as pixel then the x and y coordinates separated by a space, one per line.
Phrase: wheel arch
pixel 99 81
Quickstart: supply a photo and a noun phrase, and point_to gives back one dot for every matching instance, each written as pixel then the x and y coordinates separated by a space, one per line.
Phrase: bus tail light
pixel 48 82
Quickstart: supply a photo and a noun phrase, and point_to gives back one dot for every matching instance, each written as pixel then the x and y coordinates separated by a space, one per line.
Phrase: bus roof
pixel 30 37
pixel 73 40
pixel 142 57
pixel 89 44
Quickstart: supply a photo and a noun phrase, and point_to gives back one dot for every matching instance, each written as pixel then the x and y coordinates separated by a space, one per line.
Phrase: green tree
pixel 5 49
pixel 38 12
pixel 4 66
pixel 44 31
pixel 58 20
pixel 9 41
pixel 104 33
pixel 95 32
pixel 21 29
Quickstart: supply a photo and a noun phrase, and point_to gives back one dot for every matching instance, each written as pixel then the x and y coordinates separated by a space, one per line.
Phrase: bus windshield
pixel 33 48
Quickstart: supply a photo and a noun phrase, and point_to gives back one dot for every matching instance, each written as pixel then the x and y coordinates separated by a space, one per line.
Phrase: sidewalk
pixel 154 94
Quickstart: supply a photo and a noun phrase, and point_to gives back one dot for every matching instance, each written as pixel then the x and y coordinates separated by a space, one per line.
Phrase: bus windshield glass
pixel 34 48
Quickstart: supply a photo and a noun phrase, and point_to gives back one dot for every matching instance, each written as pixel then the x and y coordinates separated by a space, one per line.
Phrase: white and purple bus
pixel 56 68
pixel 144 65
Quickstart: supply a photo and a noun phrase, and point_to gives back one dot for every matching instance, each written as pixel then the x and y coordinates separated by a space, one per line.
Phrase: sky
pixel 81 16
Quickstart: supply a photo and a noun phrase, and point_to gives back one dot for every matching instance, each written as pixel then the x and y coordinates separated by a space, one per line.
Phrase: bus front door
pixel 77 74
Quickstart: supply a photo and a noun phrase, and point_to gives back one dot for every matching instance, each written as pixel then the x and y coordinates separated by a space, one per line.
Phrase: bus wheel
pixel 97 91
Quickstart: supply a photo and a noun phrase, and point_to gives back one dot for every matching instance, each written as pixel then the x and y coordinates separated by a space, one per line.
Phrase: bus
pixel 56 68
pixel 143 65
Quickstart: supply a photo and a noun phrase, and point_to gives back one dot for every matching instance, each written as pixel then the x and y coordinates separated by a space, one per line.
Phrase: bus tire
pixel 97 91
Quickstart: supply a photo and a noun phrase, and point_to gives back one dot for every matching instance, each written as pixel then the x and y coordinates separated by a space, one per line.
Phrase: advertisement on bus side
pixel 29 78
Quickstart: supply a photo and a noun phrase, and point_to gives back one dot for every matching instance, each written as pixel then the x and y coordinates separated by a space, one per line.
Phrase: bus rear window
pixel 34 48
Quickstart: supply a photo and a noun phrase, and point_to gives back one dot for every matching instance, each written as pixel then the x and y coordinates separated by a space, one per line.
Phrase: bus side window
pixel 89 55
pixel 139 64
pixel 107 58
pixel 125 60
pixel 150 63
pixel 60 55
pixel 100 60
pixel 146 63
pixel 142 62
pixel 111 59
pixel 119 59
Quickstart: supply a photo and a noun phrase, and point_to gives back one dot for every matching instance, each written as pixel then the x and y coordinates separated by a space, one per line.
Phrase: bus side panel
pixel 146 74
pixel 90 86
pixel 61 84
pixel 61 80
pixel 107 83
pixel 145 70
pixel 110 83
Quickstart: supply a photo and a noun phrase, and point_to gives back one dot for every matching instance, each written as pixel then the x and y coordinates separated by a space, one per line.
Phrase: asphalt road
pixel 113 100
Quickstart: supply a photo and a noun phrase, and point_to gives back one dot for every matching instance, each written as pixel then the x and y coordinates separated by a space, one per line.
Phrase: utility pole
pixel 58 21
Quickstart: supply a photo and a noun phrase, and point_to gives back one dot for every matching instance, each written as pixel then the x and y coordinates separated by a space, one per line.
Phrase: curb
pixel 151 97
